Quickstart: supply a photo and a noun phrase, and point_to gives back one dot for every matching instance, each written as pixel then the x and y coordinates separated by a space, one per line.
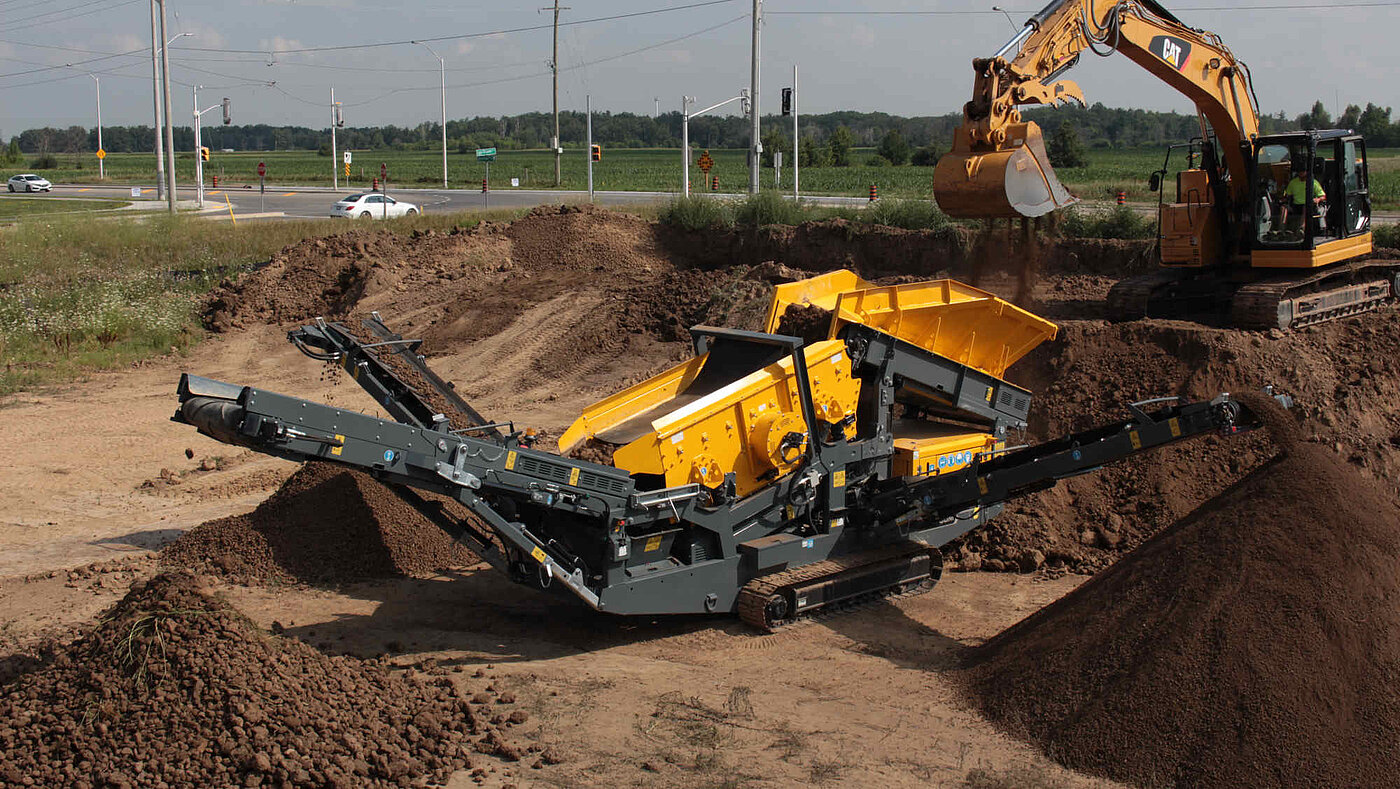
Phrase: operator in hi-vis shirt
pixel 1295 199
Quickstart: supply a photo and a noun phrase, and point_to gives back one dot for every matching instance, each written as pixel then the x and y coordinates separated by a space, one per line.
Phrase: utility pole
pixel 101 173
pixel 335 158
pixel 442 70
pixel 755 141
pixel 554 67
pixel 155 99
pixel 169 125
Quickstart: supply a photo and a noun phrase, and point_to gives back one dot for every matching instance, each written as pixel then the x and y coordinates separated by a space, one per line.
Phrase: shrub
pixel 324 150
pixel 696 213
pixel 908 214
pixel 926 156
pixel 768 208
pixel 877 161
pixel 1386 236
pixel 1118 222
pixel 45 162
pixel 1065 148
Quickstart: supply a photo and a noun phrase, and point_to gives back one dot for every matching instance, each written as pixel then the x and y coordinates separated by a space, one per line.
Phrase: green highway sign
pixel 486 154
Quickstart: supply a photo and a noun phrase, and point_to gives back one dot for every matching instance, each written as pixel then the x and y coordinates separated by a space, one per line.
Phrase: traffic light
pixel 597 153
pixel 787 101
pixel 228 117
pixel 203 153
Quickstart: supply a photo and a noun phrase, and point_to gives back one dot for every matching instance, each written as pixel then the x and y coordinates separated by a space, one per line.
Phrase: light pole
pixel 101 172
pixel 686 115
pixel 336 121
pixel 442 70
pixel 199 146
pixel 755 139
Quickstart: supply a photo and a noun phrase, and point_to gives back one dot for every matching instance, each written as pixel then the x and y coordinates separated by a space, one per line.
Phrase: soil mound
pixel 1254 643
pixel 1342 375
pixel 173 687
pixel 326 524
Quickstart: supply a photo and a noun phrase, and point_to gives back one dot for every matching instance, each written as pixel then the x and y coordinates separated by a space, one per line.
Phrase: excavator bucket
pixel 1014 182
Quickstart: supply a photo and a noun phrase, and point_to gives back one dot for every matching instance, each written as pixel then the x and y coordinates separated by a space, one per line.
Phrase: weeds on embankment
pixel 78 296
pixel 770 208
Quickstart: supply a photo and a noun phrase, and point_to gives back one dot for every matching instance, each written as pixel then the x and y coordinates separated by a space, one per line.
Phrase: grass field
pixel 17 207
pixel 78 296
pixel 645 170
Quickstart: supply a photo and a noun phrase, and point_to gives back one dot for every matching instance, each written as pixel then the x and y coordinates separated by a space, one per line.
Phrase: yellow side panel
pixel 819 291
pixel 956 321
pixel 740 428
pixel 938 454
pixel 1189 235
pixel 633 400
pixel 1323 255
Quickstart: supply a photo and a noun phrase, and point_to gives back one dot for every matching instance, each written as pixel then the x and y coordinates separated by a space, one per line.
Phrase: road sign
pixel 486 154
pixel 347 157
pixel 383 171
pixel 705 162
pixel 347 169
pixel 135 191
pixel 101 154
pixel 262 169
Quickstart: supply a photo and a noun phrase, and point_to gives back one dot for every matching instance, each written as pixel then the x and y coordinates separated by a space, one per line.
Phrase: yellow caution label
pixel 990 390
pixel 510 460
pixel 982 485
pixel 838 479
pixel 538 554
pixel 1175 425
pixel 1133 437
pixel 573 476
pixel 652 544
pixel 341 448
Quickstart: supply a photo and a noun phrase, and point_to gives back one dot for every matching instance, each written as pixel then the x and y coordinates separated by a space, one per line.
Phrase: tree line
pixel 827 138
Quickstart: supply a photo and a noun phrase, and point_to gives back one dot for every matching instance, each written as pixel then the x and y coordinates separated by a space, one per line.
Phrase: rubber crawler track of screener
pixel 779 599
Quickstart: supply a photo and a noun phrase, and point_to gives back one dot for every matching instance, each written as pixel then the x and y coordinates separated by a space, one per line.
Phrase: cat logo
pixel 1171 49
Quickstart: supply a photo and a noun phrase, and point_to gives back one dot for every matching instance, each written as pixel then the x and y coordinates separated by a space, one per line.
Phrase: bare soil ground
pixel 535 320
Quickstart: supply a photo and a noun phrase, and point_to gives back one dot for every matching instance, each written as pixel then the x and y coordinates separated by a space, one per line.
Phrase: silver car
pixel 29 183
pixel 372 205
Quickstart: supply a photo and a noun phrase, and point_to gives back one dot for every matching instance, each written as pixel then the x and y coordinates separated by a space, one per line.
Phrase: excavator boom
pixel 999 166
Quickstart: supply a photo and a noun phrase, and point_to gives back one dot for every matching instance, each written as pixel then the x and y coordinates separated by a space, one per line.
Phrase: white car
pixel 372 205
pixel 30 183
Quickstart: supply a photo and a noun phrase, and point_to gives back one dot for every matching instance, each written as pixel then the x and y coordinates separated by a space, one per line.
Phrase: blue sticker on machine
pixel 388 456
pixel 955 459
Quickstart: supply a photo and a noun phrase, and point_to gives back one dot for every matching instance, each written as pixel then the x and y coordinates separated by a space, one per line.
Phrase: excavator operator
pixel 1295 199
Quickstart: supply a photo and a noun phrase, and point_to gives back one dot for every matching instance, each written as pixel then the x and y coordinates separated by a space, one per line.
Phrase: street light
pixel 686 115
pixel 101 172
pixel 442 70
pixel 155 99
pixel 1009 20
pixel 199 145
pixel 160 84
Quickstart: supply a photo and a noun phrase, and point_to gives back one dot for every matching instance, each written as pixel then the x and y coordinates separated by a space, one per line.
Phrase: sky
pixel 850 56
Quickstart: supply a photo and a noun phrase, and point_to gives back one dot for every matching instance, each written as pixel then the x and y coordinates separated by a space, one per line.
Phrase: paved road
pixel 300 202
pixel 303 202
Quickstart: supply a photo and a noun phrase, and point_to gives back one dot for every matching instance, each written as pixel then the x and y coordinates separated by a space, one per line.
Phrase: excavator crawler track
pixel 1330 294
pixel 777 600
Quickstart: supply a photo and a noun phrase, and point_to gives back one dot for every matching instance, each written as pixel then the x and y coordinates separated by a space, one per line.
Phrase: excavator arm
pixel 999 167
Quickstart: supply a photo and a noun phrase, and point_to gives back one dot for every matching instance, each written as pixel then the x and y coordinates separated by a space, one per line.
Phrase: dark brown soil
pixel 808 321
pixel 1254 643
pixel 174 688
pixel 326 524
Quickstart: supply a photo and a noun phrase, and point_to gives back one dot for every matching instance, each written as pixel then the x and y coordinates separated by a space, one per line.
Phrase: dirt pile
pixel 173 687
pixel 326 524
pixel 1254 643
pixel 1342 375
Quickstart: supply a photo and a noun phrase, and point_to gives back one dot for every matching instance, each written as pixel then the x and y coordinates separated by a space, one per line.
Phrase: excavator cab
pixel 1309 199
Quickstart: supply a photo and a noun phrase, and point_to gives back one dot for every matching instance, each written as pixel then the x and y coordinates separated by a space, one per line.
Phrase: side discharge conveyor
pixel 765 476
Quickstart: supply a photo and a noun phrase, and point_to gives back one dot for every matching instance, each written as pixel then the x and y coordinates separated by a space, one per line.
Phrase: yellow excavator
pixel 1231 242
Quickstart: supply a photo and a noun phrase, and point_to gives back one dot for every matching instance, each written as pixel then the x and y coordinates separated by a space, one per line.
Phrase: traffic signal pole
pixel 755 139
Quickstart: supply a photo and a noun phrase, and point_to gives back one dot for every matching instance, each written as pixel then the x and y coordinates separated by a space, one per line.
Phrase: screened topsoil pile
pixel 1254 643
pixel 172 687
pixel 327 523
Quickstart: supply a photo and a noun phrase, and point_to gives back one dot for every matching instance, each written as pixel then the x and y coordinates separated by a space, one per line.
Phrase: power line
pixel 505 31
pixel 74 63
pixel 74 16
